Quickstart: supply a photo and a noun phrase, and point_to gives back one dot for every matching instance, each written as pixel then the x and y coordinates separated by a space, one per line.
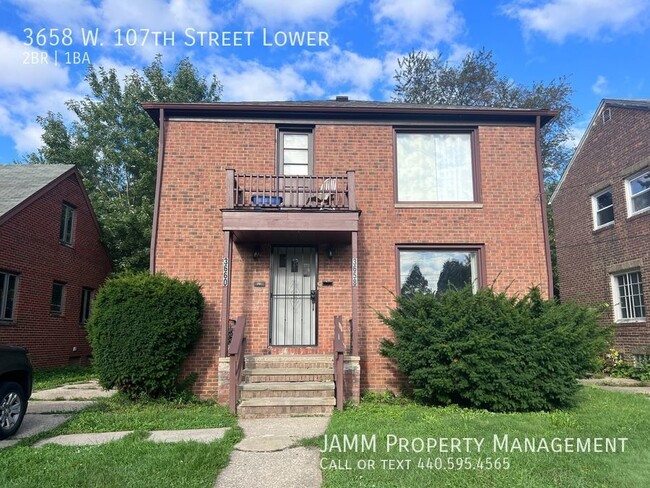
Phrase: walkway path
pixel 623 385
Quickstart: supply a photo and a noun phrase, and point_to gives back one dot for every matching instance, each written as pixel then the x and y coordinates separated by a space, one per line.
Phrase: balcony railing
pixel 258 192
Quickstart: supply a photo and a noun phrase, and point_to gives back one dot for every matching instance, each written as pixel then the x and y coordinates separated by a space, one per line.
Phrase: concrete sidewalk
pixel 265 458
pixel 622 385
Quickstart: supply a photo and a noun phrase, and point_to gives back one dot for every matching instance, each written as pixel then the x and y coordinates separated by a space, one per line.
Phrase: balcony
pixel 290 207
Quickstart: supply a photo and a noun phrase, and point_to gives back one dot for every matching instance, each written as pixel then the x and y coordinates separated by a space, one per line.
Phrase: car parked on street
pixel 16 375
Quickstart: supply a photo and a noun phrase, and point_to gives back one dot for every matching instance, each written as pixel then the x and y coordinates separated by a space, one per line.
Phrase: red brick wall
pixel 607 156
pixel 190 241
pixel 30 247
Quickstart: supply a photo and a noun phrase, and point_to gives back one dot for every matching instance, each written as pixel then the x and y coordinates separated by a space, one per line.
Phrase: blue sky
pixel 602 45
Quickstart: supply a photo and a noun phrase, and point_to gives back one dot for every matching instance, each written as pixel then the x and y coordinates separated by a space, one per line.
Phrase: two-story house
pixel 51 262
pixel 601 212
pixel 290 214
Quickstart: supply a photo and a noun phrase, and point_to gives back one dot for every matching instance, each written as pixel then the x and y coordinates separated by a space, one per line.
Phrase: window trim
pixel 61 312
pixel 628 193
pixel 3 298
pixel 481 265
pixel 616 298
pixel 476 165
pixel 279 143
pixel 594 208
pixel 86 306
pixel 73 224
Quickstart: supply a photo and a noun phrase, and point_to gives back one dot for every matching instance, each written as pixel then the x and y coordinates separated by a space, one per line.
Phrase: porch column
pixel 225 295
pixel 355 296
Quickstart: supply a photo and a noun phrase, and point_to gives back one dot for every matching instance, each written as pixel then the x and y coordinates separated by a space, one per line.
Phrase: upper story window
pixel 295 152
pixel 602 207
pixel 58 298
pixel 637 189
pixel 8 287
pixel 435 167
pixel 66 230
pixel 86 300
pixel 627 291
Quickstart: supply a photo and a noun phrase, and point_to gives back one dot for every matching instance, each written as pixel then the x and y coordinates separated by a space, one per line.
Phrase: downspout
pixel 542 202
pixel 156 205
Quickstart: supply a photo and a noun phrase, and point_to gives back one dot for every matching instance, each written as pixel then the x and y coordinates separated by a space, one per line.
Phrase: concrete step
pixel 274 407
pixel 289 361
pixel 259 375
pixel 287 389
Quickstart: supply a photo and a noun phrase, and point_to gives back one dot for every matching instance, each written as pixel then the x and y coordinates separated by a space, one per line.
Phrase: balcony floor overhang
pixel 301 226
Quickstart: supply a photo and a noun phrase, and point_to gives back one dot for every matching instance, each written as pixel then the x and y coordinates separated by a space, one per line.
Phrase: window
pixel 435 167
pixel 627 290
pixel 295 152
pixel 58 296
pixel 86 299
pixel 8 287
pixel 435 270
pixel 66 231
pixel 603 208
pixel 638 193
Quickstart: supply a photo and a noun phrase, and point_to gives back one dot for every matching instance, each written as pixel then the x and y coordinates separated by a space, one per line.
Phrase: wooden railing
pixel 251 191
pixel 236 353
pixel 339 350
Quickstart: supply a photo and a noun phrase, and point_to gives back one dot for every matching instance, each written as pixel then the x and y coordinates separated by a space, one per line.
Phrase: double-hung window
pixel 295 148
pixel 86 299
pixel 602 207
pixel 435 166
pixel 8 287
pixel 627 290
pixel 637 189
pixel 57 303
pixel 66 230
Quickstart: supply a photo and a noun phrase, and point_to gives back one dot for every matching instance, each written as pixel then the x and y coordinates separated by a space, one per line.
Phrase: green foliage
pixel 422 77
pixel 488 350
pixel 614 365
pixel 51 378
pixel 114 143
pixel 141 330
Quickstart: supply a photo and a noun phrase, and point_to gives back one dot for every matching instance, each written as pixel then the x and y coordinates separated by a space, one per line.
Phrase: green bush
pixel 491 351
pixel 141 329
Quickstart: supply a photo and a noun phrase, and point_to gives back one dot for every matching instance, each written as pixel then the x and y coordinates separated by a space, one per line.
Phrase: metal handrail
pixel 339 351
pixel 236 353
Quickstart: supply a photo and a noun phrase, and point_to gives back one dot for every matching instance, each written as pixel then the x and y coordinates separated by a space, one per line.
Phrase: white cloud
pixel 278 12
pixel 600 86
pixel 433 21
pixel 17 71
pixel 340 67
pixel 589 19
pixel 63 13
pixel 158 14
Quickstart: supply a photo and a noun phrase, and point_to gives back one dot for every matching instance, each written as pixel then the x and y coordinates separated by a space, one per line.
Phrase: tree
pixel 114 143
pixel 415 283
pixel 454 274
pixel 422 77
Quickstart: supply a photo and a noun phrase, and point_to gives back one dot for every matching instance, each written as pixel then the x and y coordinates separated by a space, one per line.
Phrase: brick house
pixel 601 211
pixel 290 214
pixel 51 262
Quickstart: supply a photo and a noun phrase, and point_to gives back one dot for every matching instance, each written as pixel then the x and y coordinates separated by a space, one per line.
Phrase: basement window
pixel 627 291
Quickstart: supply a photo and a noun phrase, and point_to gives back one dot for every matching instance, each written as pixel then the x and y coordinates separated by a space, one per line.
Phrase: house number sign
pixel 225 271
pixel 355 278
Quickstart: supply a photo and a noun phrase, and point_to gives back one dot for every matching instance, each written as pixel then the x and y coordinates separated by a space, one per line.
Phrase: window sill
pixel 55 314
pixel 640 213
pixel 440 205
pixel 66 244
pixel 603 227
pixel 630 321
pixel 7 322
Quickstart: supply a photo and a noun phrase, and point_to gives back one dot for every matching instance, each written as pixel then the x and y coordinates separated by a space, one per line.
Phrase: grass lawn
pixel 598 414
pixel 51 378
pixel 132 461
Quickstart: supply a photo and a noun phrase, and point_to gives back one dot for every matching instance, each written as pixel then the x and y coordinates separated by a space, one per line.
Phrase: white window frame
pixel 617 297
pixel 628 193
pixel 595 210
pixel 68 224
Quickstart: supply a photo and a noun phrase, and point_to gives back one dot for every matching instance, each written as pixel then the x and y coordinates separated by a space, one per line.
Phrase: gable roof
pixel 627 103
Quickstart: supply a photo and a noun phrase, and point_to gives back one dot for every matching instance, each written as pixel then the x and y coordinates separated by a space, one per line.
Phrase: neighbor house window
pixel 435 270
pixel 638 193
pixel 66 230
pixel 627 290
pixel 295 152
pixel 435 167
pixel 8 287
pixel 86 298
pixel 603 208
pixel 58 297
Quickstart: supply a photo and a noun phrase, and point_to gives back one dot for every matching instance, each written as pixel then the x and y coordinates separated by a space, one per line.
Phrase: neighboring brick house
pixel 291 213
pixel 51 262
pixel 601 212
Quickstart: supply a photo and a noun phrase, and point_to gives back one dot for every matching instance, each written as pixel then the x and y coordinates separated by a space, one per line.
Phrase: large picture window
pixel 435 167
pixel 435 270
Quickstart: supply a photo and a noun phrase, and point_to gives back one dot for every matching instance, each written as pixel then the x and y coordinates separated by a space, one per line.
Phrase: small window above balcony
pixel 295 152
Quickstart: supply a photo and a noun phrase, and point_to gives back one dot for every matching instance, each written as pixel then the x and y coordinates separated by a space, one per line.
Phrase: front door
pixel 293 296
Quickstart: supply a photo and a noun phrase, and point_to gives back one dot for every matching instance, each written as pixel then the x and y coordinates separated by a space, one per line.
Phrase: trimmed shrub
pixel 491 351
pixel 141 329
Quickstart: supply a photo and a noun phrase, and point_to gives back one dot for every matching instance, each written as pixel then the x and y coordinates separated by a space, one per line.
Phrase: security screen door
pixel 293 296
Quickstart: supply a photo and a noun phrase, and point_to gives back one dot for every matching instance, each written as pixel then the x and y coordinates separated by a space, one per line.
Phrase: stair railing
pixel 339 351
pixel 236 353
